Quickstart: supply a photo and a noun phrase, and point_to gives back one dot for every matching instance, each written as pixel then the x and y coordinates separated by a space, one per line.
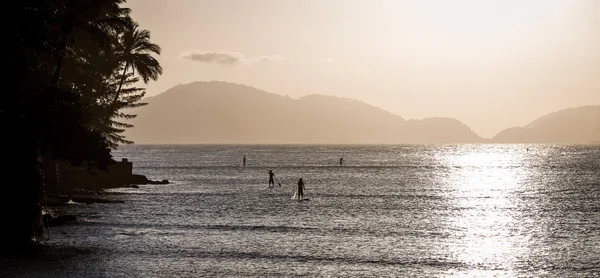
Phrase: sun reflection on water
pixel 481 181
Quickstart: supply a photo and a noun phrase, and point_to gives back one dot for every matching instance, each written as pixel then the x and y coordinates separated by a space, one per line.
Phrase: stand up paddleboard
pixel 295 197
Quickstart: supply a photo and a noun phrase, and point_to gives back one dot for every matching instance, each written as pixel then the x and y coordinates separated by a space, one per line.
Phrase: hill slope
pixel 578 125
pixel 596 134
pixel 225 113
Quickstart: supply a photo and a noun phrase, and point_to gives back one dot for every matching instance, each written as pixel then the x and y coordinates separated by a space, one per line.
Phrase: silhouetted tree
pixel 92 19
pixel 115 125
pixel 136 51
pixel 58 99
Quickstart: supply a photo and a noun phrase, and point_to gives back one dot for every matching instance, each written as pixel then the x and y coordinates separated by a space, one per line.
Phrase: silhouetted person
pixel 341 161
pixel 300 194
pixel 244 161
pixel 271 178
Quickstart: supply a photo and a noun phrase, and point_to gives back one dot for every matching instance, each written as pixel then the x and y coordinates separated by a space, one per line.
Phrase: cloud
pixel 277 59
pixel 216 57
pixel 228 58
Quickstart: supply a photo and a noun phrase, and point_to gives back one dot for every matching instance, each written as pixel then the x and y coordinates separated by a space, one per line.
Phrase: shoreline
pixel 53 201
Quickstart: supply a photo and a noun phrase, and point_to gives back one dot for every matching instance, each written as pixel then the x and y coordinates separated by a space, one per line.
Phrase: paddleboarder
pixel 271 178
pixel 300 194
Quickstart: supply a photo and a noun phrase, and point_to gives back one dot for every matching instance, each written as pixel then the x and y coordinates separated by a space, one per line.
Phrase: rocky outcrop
pixel 141 179
pixel 61 177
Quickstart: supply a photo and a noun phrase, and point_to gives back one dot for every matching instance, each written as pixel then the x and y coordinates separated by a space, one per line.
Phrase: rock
pixel 139 179
pixel 159 182
pixel 58 220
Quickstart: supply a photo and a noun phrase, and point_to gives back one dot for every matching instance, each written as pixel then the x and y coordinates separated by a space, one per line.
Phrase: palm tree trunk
pixel 60 59
pixel 59 63
pixel 121 84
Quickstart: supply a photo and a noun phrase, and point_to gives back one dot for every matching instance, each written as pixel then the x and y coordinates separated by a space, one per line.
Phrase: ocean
pixel 404 211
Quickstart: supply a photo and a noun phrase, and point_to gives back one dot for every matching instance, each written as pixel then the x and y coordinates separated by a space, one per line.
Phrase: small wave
pixel 71 202
pixel 385 196
pixel 277 229
pixel 431 262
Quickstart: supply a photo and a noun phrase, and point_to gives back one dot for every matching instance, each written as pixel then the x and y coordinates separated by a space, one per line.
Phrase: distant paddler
pixel 300 192
pixel 271 179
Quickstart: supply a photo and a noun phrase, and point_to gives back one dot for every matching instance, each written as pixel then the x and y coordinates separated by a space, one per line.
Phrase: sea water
pixel 404 211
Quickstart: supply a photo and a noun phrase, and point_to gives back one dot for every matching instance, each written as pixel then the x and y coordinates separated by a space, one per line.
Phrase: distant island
pixel 227 113
pixel 580 125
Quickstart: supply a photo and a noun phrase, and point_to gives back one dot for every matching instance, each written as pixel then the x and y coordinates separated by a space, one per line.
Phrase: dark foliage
pixel 64 69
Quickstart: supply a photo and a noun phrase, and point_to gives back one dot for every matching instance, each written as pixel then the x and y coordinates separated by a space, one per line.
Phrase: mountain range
pixel 226 113
pixel 578 125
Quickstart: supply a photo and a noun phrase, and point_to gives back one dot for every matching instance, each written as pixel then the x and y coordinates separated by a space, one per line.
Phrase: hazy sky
pixel 491 64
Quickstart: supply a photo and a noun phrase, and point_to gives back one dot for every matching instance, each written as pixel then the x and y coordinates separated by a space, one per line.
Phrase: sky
pixel 490 64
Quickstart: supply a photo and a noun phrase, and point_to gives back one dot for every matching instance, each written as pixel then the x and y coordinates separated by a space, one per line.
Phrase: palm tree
pixel 136 52
pixel 95 19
